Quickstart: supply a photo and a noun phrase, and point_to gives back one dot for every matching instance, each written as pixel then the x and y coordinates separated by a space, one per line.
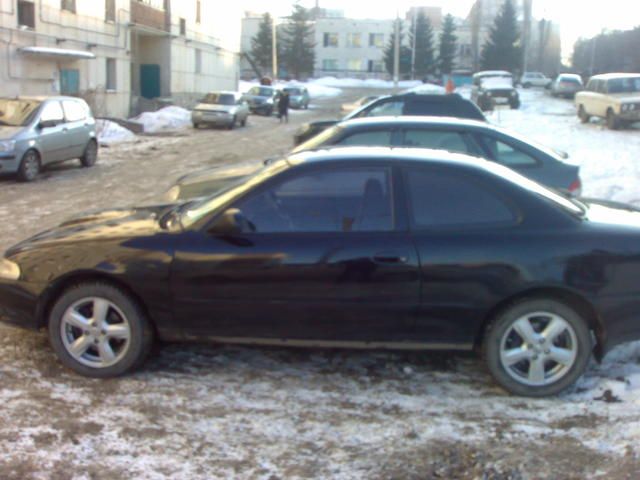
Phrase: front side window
pixel 443 200
pixel 52 111
pixel 375 138
pixel 507 155
pixel 439 140
pixel 74 111
pixel 340 200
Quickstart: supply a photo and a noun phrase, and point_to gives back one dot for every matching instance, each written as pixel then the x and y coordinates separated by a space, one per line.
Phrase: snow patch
pixel 110 132
pixel 167 118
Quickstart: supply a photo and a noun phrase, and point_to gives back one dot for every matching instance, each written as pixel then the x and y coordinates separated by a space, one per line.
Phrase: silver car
pixel 566 85
pixel 38 131
pixel 225 109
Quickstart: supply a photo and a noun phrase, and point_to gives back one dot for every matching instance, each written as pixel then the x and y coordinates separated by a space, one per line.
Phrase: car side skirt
pixel 285 342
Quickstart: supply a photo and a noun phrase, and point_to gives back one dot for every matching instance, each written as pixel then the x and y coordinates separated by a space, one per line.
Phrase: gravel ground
pixel 227 412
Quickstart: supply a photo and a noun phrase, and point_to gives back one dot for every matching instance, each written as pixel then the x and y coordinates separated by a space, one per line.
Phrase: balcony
pixel 149 13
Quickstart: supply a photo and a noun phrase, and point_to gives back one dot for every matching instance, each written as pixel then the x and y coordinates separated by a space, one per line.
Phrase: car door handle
pixel 389 258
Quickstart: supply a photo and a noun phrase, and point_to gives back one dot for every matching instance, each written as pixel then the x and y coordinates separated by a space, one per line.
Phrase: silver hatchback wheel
pixel 538 348
pixel 95 332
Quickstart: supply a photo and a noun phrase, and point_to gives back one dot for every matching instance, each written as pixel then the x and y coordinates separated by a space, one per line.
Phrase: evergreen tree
pixel 405 53
pixel 262 44
pixel 297 43
pixel 502 50
pixel 425 53
pixel 448 45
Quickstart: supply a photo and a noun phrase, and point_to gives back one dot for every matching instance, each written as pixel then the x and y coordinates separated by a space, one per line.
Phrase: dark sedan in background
pixel 439 105
pixel 353 247
pixel 479 139
pixel 262 100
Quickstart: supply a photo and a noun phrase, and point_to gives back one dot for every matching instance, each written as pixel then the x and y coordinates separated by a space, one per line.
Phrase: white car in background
pixel 227 109
pixel 612 96
pixel 566 85
pixel 534 79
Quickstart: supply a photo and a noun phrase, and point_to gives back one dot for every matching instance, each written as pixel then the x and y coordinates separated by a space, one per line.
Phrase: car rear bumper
pixel 212 118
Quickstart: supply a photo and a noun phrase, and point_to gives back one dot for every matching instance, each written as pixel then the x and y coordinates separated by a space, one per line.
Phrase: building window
pixel 26 14
pixel 110 10
pixel 465 50
pixel 183 27
pixel 376 40
pixel 329 64
pixel 68 5
pixel 354 65
pixel 330 40
pixel 376 66
pixel 111 74
pixel 198 11
pixel 198 60
pixel 158 4
pixel 354 40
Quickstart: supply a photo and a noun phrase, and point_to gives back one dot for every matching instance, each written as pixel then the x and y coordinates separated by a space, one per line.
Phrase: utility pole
pixel 396 51
pixel 413 46
pixel 274 50
pixel 526 34
pixel 476 25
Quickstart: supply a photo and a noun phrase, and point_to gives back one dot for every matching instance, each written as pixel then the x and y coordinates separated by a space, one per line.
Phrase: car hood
pixel 214 107
pixel 7 132
pixel 98 225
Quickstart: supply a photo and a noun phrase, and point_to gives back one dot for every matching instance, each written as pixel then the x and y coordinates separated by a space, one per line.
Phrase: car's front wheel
pixel 99 330
pixel 583 115
pixel 537 347
pixel 613 123
pixel 29 166
pixel 90 155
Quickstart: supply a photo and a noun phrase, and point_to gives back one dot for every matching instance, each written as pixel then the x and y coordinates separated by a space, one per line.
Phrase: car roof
pixel 613 76
pixel 418 155
pixel 413 120
pixel 489 73
pixel 572 75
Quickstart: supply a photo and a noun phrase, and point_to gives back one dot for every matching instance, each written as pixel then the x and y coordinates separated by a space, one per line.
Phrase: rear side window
pixel 460 109
pixel 52 111
pixel 507 155
pixel 74 111
pixel 442 200
pixel 376 138
pixel 439 140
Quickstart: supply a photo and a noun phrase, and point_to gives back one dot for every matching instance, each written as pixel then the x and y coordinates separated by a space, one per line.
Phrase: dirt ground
pixel 200 412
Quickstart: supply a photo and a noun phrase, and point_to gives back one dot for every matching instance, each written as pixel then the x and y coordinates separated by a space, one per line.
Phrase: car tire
pixel 582 114
pixel 196 125
pixel 233 123
pixel 523 342
pixel 269 112
pixel 90 155
pixel 29 166
pixel 613 123
pixel 82 342
pixel 515 105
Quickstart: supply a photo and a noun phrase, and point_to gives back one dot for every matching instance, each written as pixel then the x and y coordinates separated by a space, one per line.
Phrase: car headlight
pixel 269 101
pixel 9 270
pixel 173 193
pixel 7 145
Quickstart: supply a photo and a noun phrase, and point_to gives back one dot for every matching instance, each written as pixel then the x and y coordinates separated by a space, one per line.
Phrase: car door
pixel 462 229
pixel 329 258
pixel 53 136
pixel 77 127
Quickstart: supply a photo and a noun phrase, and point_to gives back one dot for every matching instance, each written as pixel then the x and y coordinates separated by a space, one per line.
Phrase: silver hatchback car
pixel 39 131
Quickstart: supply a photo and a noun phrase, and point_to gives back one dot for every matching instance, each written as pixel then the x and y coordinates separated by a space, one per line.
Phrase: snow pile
pixel 358 83
pixel 110 132
pixel 167 118
pixel 426 88
pixel 315 90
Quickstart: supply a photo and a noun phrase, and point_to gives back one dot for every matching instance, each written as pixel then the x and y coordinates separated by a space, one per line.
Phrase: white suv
pixel 534 79
pixel 613 96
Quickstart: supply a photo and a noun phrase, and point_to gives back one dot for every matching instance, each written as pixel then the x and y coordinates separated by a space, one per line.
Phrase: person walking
pixel 283 107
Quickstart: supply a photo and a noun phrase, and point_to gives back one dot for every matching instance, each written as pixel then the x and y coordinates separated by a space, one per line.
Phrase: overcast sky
pixel 576 17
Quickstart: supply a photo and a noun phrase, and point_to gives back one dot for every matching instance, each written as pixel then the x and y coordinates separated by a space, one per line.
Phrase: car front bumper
pixel 630 115
pixel 19 304
pixel 9 162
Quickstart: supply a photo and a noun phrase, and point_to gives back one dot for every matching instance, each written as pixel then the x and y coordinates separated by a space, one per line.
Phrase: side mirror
pixel 47 123
pixel 231 222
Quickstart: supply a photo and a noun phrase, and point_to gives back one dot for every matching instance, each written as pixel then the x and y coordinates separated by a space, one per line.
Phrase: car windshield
pixel 293 91
pixel 624 85
pixel 194 211
pixel 220 99
pixel 263 92
pixel 497 81
pixel 17 113
pixel 318 140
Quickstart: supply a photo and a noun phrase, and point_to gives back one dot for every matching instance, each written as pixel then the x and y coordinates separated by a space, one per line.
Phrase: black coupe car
pixel 352 247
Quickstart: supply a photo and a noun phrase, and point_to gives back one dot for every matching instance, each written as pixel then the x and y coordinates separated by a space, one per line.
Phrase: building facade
pixel 119 55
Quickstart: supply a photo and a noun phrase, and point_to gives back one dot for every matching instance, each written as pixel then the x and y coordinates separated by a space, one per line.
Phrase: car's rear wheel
pixel 537 347
pixel 98 330
pixel 613 123
pixel 583 115
pixel 29 166
pixel 90 155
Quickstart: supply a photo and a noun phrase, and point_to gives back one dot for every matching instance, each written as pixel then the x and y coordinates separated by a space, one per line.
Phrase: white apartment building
pixel 117 53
